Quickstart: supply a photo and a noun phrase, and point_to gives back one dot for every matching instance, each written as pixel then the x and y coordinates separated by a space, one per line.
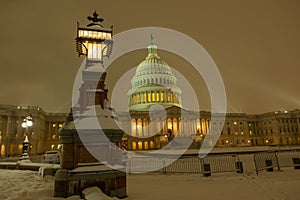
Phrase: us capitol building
pixel 147 127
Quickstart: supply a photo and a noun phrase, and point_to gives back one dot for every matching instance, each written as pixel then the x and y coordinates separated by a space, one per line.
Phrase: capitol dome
pixel 153 83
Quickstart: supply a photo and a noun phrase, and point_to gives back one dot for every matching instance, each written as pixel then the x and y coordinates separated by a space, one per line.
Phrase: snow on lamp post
pixel 27 122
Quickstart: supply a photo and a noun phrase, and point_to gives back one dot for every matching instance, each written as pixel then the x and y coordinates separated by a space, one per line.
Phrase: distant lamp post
pixel 94 41
pixel 27 122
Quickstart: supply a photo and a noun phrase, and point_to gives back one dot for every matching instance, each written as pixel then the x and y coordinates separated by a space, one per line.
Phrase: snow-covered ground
pixel 275 185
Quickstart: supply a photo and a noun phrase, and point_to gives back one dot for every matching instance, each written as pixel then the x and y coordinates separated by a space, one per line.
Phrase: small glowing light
pixel 166 136
pixel 24 124
pixel 60 125
pixel 227 141
pixel 249 141
pixel 52 146
pixel 29 123
pixel 267 141
pixel 285 111
pixel 235 123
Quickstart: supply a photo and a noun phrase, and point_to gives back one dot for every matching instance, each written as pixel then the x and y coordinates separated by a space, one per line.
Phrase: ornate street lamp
pixel 94 41
pixel 27 122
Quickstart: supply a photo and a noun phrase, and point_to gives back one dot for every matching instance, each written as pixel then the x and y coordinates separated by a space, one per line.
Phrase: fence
pixel 213 163
pixel 289 159
pixel 269 160
pixel 266 160
pixel 206 166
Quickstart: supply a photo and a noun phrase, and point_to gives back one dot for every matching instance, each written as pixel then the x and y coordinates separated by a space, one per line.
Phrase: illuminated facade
pixel 154 83
pixel 43 134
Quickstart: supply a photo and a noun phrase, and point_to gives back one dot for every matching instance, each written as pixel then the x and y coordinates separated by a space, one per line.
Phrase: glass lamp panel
pixel 100 35
pixel 108 36
pixel 80 33
pixel 94 51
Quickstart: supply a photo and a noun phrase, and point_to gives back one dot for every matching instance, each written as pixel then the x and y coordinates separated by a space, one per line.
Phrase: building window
pixel 140 145
pixel 228 131
pixel 138 99
pixel 168 97
pixel 153 97
pixel 161 96
pixel 157 96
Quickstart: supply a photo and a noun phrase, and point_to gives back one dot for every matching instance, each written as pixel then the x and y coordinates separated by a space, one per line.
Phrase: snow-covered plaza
pixel 277 185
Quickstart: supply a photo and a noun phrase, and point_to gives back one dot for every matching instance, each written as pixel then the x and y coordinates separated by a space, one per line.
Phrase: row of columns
pixel 154 96
pixel 144 127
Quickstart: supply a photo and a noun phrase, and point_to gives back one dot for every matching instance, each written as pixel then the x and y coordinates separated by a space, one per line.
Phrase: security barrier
pixel 289 159
pixel 266 161
pixel 192 164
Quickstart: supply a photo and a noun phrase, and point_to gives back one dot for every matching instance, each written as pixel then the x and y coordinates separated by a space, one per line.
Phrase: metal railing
pixel 192 164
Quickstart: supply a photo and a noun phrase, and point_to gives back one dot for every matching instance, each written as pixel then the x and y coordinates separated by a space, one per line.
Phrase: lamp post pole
pixel 27 122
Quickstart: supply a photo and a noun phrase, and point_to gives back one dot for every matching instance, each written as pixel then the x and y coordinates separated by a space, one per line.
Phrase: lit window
pixel 52 146
pixel 149 97
pixel 53 125
pixel 236 133
pixel 53 137
pixel 168 98
pixel 235 123
pixel 58 146
pixel 60 125
pixel 161 96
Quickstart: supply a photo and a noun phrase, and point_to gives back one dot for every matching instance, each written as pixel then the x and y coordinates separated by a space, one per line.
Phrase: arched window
pixel 152 146
pixel 133 145
pixel 140 145
pixel 2 151
pixel 161 96
pixel 144 97
pixel 146 145
pixel 153 97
